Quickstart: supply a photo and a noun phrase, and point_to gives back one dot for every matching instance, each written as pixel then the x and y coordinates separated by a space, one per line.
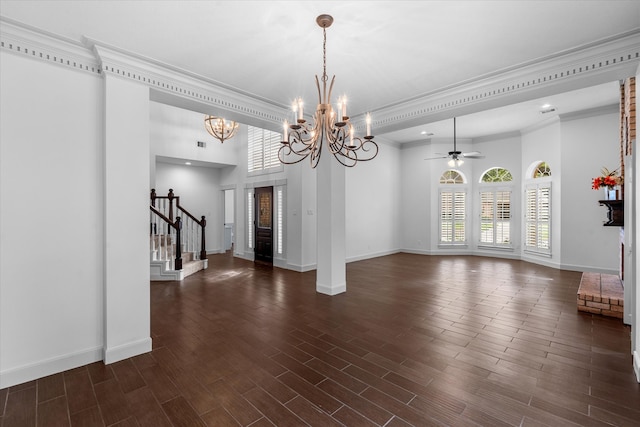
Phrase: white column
pixel 126 266
pixel 331 278
pixel 635 326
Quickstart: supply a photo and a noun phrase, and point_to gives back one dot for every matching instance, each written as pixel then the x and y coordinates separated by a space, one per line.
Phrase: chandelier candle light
pixel 301 140
pixel 220 128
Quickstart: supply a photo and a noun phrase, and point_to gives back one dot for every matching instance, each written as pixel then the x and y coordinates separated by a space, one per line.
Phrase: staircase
pixel 177 246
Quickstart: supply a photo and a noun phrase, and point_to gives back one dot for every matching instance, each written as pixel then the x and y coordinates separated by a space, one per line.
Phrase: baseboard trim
pixel 331 290
pixel 416 251
pixel 124 351
pixel 636 365
pixel 583 268
pixel 299 268
pixel 47 367
pixel 372 255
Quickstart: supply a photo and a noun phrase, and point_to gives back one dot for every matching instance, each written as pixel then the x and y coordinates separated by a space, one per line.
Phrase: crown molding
pixel 181 88
pixel 23 40
pixel 591 112
pixel 168 84
pixel 602 61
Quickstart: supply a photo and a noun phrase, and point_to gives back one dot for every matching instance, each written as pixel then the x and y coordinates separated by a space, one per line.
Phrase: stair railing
pixel 162 242
pixel 191 231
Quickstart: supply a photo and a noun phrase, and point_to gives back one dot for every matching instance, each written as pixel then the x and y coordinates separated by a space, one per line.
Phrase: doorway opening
pixel 229 220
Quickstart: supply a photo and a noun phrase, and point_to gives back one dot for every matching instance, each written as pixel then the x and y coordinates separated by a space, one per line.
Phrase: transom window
pixel 542 170
pixel 451 177
pixel 497 175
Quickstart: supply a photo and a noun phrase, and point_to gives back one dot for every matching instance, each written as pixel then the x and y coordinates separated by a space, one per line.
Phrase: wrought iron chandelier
pixel 220 128
pixel 301 139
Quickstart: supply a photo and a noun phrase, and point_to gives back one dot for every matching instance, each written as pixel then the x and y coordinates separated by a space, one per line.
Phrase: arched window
pixel 542 170
pixel 495 208
pixel 537 205
pixel 451 177
pixel 452 208
pixel 496 175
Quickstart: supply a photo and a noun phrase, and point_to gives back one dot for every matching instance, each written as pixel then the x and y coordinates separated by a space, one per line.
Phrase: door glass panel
pixel 264 219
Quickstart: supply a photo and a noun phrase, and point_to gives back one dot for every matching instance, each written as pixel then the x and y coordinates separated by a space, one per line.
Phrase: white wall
pixel 415 195
pixel 200 194
pixel 373 205
pixel 175 133
pixel 589 142
pixel 229 201
pixel 51 219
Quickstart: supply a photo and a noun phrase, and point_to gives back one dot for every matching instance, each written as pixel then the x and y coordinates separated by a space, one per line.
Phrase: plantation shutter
pixel 271 147
pixel 446 216
pixel 531 217
pixel 503 218
pixel 279 220
pixel 459 216
pixel 544 217
pixel 255 149
pixel 250 219
pixel 262 149
pixel 452 216
pixel 486 217
pixel 538 218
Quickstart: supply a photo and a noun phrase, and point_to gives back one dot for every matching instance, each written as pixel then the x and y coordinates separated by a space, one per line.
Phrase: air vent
pixel 548 110
pixel 202 144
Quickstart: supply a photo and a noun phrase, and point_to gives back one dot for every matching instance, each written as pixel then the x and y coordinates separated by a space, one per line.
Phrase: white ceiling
pixel 382 52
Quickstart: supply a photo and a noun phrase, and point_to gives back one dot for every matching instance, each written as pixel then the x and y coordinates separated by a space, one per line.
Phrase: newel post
pixel 170 196
pixel 178 226
pixel 152 225
pixel 203 251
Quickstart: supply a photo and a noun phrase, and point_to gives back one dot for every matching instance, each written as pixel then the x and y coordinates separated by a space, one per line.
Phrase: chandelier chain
pixel 324 55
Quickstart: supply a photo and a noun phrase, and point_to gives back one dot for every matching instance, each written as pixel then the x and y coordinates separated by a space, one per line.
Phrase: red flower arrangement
pixel 607 179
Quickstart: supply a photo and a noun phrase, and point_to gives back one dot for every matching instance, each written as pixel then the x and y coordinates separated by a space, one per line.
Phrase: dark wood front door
pixel 264 224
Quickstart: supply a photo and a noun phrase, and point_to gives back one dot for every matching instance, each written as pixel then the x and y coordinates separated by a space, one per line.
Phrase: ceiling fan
pixel 456 157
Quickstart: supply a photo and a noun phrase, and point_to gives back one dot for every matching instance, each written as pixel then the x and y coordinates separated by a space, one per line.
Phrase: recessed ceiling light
pixel 424 132
pixel 545 106
pixel 187 163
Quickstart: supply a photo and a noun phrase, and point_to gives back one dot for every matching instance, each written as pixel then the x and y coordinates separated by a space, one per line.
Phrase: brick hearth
pixel 601 294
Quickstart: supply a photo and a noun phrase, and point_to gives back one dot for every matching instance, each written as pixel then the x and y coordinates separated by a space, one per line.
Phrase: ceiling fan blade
pixel 473 155
pixel 434 158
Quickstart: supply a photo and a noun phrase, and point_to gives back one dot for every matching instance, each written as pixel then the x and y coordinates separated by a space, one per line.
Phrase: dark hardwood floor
pixel 415 340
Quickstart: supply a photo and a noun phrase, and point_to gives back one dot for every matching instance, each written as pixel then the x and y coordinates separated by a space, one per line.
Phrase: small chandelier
pixel 301 140
pixel 220 128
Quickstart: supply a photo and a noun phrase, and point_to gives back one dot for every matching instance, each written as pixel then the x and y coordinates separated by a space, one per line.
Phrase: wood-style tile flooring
pixel 415 340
